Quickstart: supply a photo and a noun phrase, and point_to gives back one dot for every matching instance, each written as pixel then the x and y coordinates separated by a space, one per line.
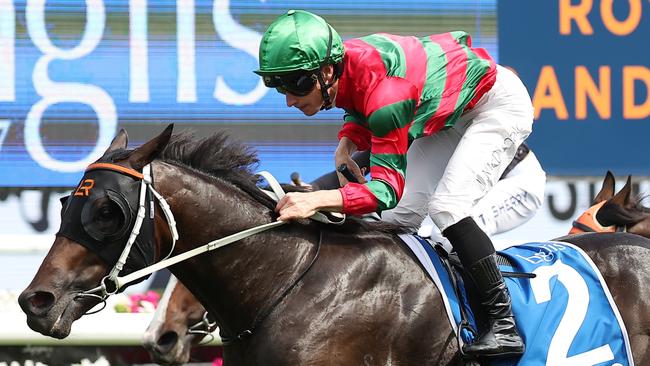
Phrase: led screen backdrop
pixel 73 72
pixel 587 67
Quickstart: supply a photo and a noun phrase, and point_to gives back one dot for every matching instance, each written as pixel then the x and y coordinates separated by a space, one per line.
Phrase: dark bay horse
pixel 167 345
pixel 180 322
pixel 299 294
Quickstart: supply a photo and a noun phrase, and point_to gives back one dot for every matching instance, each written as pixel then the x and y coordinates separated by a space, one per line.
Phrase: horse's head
pixel 612 211
pixel 180 322
pixel 97 220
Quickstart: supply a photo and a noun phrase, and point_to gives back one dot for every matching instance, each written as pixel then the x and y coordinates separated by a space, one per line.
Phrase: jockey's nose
pixel 291 99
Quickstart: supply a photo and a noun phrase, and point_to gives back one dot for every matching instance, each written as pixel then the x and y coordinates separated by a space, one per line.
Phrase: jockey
pixel 460 116
pixel 513 200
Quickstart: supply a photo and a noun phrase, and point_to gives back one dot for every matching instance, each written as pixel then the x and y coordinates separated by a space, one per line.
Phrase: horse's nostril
pixel 37 303
pixel 167 341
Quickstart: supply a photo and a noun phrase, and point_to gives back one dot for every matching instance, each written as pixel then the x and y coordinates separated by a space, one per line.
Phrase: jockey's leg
pixel 491 133
pixel 513 200
pixel 476 253
pixel 425 164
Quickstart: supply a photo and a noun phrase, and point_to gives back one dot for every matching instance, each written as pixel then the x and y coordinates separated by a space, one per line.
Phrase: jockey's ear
pixel 120 141
pixel 146 153
pixel 623 196
pixel 607 191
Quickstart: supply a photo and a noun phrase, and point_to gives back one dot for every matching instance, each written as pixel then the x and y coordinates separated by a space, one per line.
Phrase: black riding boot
pixel 476 253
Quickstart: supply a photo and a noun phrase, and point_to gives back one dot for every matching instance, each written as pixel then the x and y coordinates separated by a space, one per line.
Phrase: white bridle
pixel 117 282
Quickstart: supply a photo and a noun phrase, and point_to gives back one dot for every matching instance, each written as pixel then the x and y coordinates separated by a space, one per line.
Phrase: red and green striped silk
pixel 396 89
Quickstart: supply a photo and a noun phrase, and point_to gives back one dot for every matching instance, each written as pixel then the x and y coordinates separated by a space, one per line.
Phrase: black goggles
pixel 299 84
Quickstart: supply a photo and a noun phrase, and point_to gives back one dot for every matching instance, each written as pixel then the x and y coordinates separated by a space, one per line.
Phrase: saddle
pixel 562 305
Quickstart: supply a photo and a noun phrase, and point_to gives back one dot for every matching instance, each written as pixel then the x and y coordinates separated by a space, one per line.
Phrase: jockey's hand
pixel 352 166
pixel 342 155
pixel 301 205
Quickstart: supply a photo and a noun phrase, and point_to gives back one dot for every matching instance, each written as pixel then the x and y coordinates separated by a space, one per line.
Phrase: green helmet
pixel 298 40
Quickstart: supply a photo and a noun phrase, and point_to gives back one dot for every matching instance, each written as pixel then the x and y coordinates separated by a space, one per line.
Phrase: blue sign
pixel 587 67
pixel 72 72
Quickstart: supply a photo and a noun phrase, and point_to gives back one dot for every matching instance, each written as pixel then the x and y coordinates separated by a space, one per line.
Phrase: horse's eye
pixel 105 218
pixel 106 212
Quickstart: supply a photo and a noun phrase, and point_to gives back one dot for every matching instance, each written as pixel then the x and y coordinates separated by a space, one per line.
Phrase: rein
pixel 261 316
pixel 112 283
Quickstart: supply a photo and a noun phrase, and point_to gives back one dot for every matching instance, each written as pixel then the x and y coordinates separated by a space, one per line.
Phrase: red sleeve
pixel 357 133
pixel 358 199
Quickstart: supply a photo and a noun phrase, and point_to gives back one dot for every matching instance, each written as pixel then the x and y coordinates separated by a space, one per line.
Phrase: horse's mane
pixel 218 156
pixel 615 214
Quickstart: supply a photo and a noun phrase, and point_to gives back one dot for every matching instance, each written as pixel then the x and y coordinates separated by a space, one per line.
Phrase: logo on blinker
pixel 84 188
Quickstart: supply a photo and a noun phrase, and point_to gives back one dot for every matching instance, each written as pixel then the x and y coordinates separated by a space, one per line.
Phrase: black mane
pixel 221 157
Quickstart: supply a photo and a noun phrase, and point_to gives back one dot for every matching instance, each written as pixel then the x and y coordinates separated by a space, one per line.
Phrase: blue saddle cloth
pixel 565 314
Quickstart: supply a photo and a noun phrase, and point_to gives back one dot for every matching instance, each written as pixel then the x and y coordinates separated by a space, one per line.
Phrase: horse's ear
pixel 146 153
pixel 120 141
pixel 623 196
pixel 607 191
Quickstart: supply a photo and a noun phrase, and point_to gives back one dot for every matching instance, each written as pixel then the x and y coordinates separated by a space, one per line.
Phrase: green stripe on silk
pixel 433 87
pixel 391 117
pixel 460 36
pixel 386 197
pixel 391 54
pixel 476 69
pixel 382 190
pixel 395 162
pixel 356 117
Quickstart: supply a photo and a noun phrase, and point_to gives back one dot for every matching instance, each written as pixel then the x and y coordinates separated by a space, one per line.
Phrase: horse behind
pixel 179 323
pixel 612 211
pixel 299 294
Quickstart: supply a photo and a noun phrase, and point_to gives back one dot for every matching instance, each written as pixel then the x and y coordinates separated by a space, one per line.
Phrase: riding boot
pixel 476 253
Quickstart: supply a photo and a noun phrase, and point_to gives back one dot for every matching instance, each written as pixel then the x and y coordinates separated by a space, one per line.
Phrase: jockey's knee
pixel 403 217
pixel 444 214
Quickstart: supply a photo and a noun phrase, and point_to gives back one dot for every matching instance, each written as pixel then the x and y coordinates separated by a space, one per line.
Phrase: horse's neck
pixel 234 282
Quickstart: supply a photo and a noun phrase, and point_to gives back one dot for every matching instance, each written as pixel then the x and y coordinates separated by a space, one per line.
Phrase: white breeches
pixel 455 172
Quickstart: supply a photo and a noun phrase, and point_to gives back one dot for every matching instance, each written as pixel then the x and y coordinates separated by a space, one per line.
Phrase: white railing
pixel 102 329
pixel 26 243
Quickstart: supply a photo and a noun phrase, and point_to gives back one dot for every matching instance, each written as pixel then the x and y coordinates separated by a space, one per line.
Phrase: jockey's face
pixel 311 103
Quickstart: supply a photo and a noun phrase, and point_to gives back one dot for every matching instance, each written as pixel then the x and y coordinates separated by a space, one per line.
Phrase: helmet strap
pixel 324 87
pixel 327 101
